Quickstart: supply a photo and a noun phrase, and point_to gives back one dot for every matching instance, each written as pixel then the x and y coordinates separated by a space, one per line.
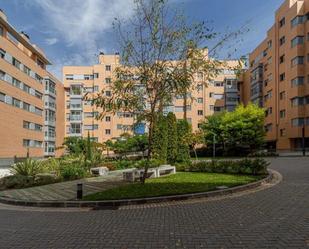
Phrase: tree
pixel 244 128
pixel 172 144
pixel 160 142
pixel 236 132
pixel 196 138
pixel 75 145
pixel 183 137
pixel 160 55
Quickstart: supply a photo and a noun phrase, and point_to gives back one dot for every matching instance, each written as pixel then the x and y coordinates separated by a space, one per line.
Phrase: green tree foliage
pixel 240 130
pixel 172 138
pixel 159 145
pixel 183 137
pixel 75 145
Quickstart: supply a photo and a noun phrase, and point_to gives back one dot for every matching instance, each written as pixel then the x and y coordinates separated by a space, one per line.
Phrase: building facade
pixel 278 77
pixel 223 93
pixel 31 99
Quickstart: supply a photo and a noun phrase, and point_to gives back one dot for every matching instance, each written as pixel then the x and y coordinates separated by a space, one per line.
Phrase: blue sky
pixel 72 32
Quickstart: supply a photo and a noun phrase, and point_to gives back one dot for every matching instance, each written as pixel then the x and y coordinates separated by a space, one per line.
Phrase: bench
pixel 166 170
pixel 99 171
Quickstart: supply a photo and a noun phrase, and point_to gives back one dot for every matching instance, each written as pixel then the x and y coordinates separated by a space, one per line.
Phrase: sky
pixel 73 32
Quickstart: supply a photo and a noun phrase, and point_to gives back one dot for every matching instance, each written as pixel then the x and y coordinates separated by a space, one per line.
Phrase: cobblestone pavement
pixel 276 217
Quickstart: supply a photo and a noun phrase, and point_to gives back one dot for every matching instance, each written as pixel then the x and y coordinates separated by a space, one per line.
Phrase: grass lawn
pixel 180 183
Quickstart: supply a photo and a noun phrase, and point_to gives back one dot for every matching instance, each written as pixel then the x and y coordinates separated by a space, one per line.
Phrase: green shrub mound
pixel 246 166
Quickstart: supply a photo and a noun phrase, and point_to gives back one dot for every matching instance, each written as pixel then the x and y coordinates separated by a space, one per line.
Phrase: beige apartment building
pixel 223 93
pixel 31 99
pixel 278 77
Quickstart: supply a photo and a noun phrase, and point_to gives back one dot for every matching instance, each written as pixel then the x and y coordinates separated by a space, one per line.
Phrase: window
pixel 282 40
pixel 268 111
pixel 27 70
pixel 16 102
pixel 107 118
pixel 16 83
pixel 268 95
pixel 211 107
pixel 282 95
pixel 298 81
pixel 269 44
pixel 96 75
pixel 38 78
pixel 268 127
pixel 26 106
pixel 38 127
pixel 76 128
pixel 26 88
pixel 297 20
pixel 108 93
pixel 282 114
pixel 2 53
pixel 1 31
pixel 38 94
pixel 107 131
pixel 282 132
pixel 2 75
pixel 298 60
pixel 96 88
pixel 199 87
pixel 296 122
pixel 281 59
pixel 200 100
pixel 108 80
pixel 26 142
pixel 200 112
pixel 69 77
pixel 210 95
pixel 218 96
pixel 16 63
pixel 282 22
pixel 38 111
pixel 298 40
pixel 108 68
pixel 218 83
pixel 297 101
pixel 2 97
pixel 26 124
pixel 282 77
pixel 88 77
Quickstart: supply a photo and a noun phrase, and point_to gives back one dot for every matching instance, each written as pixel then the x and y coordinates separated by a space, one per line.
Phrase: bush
pixel 73 171
pixel 28 167
pixel 124 164
pixel 245 166
pixel 16 181
pixel 44 179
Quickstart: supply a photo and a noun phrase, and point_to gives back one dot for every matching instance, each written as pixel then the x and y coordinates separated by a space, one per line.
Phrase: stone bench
pixel 166 170
pixel 99 171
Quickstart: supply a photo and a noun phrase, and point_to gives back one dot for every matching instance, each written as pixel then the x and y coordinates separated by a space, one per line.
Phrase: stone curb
pixel 125 202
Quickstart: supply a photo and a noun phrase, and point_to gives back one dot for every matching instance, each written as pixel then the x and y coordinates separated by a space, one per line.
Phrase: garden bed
pixel 180 183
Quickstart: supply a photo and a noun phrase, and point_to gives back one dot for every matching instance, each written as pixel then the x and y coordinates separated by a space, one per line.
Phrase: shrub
pixel 124 164
pixel 245 166
pixel 16 181
pixel 73 171
pixel 43 179
pixel 29 167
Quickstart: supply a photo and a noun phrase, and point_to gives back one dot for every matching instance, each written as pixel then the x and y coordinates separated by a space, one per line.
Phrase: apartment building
pixel 222 93
pixel 279 77
pixel 31 99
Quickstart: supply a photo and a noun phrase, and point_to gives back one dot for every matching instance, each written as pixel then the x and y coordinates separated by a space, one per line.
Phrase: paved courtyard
pixel 276 217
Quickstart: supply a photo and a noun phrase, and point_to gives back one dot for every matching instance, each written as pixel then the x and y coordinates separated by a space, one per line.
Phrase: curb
pixel 126 202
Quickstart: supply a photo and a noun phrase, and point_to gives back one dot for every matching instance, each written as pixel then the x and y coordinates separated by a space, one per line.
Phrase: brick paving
pixel 276 217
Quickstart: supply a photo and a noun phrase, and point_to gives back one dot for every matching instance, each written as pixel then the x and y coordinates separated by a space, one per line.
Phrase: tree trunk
pixel 185 105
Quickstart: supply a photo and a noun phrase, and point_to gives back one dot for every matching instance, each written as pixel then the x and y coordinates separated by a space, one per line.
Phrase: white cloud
pixel 51 41
pixel 80 25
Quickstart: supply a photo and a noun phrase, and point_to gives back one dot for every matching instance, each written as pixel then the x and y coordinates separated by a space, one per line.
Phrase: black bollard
pixel 79 192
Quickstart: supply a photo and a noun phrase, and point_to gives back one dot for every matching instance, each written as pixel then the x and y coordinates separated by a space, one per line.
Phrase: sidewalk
pixel 65 191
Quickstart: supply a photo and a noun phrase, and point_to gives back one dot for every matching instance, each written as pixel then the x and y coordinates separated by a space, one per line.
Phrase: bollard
pixel 79 192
